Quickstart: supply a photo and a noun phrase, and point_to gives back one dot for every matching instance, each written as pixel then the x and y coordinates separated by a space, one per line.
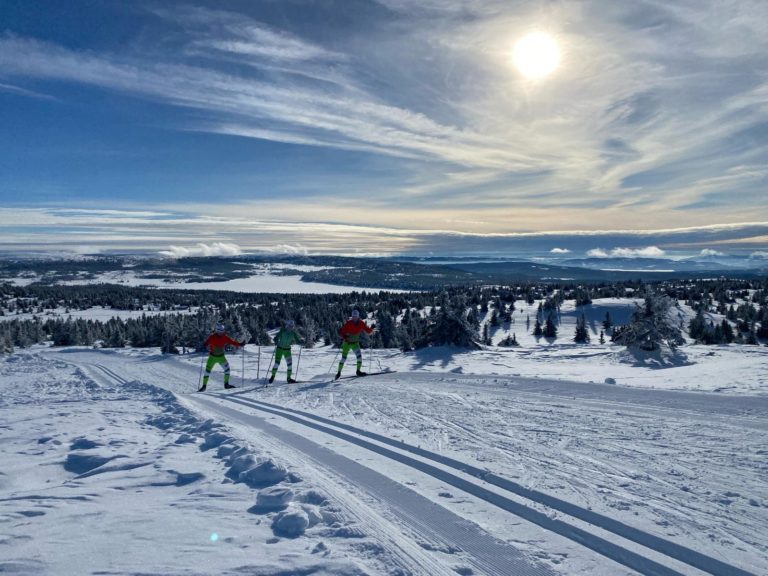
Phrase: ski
pixel 364 376
pixel 274 384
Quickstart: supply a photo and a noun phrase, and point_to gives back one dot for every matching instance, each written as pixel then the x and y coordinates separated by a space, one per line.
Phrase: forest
pixel 179 320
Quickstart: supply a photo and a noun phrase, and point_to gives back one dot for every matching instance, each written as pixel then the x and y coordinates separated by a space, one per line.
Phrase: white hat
pixel 220 327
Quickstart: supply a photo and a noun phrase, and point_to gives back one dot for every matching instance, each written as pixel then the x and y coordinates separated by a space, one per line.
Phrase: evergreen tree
pixel 510 342
pixel 537 330
pixel 550 330
pixel 582 334
pixel 452 329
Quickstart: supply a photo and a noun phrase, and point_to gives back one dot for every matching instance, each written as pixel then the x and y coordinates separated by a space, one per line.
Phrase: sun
pixel 536 55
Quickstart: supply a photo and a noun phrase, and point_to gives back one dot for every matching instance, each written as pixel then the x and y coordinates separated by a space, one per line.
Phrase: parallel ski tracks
pixel 399 451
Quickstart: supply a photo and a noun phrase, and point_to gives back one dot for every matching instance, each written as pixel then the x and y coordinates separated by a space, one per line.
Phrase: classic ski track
pixel 411 554
pixel 466 543
pixel 680 553
pixel 408 554
pixel 609 549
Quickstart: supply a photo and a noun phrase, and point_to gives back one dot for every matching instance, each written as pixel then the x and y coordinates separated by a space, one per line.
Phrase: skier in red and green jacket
pixel 216 343
pixel 350 334
pixel 283 340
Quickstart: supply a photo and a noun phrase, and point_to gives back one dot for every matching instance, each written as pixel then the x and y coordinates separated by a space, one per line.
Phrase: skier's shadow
pixel 319 386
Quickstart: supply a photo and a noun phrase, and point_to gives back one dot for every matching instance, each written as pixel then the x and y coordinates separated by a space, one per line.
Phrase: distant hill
pixel 363 273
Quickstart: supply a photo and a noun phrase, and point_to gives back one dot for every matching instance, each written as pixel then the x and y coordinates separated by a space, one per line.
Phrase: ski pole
pixel 200 377
pixel 243 372
pixel 266 376
pixel 334 361
pixel 298 361
pixel 258 365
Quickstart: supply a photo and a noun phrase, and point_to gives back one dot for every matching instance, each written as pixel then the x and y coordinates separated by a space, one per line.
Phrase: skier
pixel 216 343
pixel 350 333
pixel 283 340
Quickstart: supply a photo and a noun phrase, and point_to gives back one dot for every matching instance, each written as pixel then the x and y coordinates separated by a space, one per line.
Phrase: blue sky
pixel 383 126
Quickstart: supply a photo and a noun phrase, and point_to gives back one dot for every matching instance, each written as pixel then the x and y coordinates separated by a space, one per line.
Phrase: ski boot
pixel 202 388
pixel 338 375
pixel 291 381
pixel 227 385
pixel 271 378
pixel 361 373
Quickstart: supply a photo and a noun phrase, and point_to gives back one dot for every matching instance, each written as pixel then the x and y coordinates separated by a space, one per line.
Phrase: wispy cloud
pixel 656 115
pixel 196 233
pixel 11 89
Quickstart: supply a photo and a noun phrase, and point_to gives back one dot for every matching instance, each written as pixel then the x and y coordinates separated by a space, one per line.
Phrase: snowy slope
pixel 451 465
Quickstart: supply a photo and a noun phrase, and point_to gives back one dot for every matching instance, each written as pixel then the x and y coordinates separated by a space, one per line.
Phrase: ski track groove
pixel 436 526
pixel 630 559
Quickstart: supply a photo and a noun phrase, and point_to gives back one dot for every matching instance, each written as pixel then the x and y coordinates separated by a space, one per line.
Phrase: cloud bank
pixel 202 249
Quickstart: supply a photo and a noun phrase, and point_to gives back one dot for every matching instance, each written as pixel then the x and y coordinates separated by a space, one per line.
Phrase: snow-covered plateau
pixel 555 460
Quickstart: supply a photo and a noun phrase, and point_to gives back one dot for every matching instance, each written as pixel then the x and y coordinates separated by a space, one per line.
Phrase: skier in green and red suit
pixel 283 340
pixel 350 334
pixel 216 343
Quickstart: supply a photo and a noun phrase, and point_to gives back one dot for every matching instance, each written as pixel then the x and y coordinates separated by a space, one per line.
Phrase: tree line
pixel 455 315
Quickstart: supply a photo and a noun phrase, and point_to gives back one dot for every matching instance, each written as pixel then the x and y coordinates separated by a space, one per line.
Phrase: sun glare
pixel 536 55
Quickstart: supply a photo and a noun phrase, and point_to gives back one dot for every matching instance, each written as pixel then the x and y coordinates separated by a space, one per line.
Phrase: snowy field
pixel 263 280
pixel 484 462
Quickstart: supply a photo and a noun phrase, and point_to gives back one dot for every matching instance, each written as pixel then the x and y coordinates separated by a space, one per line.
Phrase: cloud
pixel 560 251
pixel 215 249
pixel 759 255
pixel 9 88
pixel 647 252
pixel 710 252
pixel 320 228
pixel 652 97
pixel 293 249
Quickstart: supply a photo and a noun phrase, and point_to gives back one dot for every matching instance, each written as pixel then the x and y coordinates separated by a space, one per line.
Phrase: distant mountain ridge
pixel 406 273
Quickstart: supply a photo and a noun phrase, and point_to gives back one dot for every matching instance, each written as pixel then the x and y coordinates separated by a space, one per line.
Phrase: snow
pixel 261 281
pixel 558 459
pixel 97 313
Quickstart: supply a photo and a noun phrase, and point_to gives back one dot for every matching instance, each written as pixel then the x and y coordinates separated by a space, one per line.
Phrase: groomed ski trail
pixel 384 445
pixel 434 527
pixel 742 407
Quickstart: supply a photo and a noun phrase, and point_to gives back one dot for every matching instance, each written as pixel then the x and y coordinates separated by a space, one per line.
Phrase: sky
pixel 383 126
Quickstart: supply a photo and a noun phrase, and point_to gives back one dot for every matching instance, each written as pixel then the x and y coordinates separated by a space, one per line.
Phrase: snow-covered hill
pixel 482 462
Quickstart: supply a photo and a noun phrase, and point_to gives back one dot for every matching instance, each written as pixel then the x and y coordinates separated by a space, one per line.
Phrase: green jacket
pixel 285 338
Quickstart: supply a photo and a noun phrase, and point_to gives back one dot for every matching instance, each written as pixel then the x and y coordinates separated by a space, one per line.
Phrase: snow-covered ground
pixel 482 462
pixel 263 280
pixel 97 313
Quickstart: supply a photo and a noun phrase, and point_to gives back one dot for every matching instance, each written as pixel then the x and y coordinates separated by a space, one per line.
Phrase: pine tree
pixel 537 330
pixel 582 334
pixel 550 330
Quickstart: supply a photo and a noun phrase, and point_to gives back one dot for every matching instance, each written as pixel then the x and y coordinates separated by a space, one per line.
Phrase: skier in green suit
pixel 283 340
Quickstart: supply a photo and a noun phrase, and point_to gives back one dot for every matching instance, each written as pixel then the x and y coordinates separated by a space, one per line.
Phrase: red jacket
pixel 350 332
pixel 216 343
